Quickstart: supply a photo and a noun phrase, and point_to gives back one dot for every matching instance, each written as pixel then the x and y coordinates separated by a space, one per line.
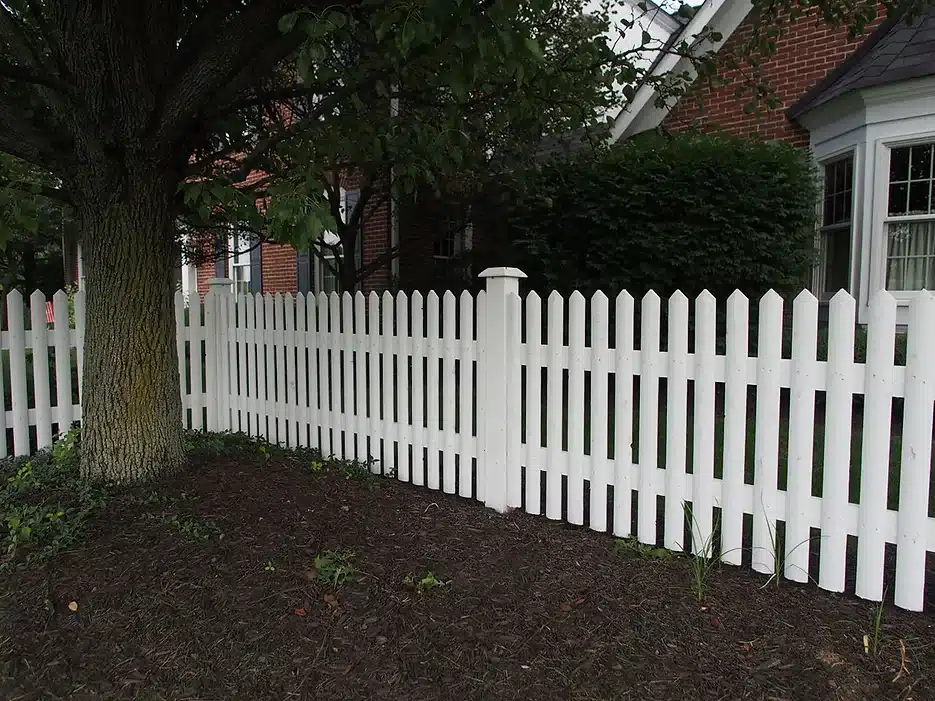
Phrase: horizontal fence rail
pixel 804 458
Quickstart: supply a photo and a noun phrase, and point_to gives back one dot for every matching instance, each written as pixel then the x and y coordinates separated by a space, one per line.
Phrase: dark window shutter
pixel 303 269
pixel 220 265
pixel 351 198
pixel 256 269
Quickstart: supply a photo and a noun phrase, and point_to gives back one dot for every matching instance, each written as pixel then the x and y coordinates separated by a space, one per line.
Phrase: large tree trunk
pixel 132 407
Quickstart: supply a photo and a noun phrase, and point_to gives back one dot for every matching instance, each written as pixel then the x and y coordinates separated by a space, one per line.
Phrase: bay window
pixel 910 219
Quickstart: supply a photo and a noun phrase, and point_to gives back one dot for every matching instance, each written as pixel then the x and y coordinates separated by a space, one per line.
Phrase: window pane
pixel 899 164
pixel 839 177
pixel 921 168
pixel 828 217
pixel 898 195
pixel 919 197
pixel 836 261
pixel 910 261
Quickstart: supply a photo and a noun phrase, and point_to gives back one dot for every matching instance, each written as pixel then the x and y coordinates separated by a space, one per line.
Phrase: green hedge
pixel 688 213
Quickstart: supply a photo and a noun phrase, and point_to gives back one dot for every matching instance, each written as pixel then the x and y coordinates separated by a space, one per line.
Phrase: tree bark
pixel 132 407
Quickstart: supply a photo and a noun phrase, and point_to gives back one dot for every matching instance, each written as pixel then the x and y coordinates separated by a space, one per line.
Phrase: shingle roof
pixel 898 50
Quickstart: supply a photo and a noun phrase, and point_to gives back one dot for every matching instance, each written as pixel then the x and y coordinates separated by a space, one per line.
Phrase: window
pixel 910 220
pixel 326 278
pixel 239 246
pixel 834 243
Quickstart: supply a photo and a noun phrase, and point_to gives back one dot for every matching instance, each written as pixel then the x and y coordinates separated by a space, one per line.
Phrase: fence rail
pixel 563 407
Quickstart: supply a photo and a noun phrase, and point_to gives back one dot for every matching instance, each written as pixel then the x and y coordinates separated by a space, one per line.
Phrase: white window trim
pixel 239 251
pixel 879 237
pixel 827 159
pixel 321 267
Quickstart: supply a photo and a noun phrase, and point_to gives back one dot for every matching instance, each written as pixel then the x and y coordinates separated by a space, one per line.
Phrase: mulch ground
pixel 532 610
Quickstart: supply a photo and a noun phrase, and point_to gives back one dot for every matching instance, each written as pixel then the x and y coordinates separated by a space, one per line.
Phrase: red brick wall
pixel 808 51
pixel 279 273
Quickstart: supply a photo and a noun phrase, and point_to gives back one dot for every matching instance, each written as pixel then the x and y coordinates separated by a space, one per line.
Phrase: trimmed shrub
pixel 689 213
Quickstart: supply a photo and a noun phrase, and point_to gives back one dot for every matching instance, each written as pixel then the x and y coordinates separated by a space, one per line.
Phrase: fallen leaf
pixel 565 608
pixel 716 623
pixel 300 612
pixel 332 601
pixel 578 602
pixel 72 605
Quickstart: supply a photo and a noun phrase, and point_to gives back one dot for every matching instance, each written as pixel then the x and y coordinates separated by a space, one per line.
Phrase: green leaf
pixel 287 22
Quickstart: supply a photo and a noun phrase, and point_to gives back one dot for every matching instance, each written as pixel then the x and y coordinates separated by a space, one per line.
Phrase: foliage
pixel 631 547
pixel 424 584
pixel 31 229
pixel 686 213
pixel 45 505
pixel 196 530
pixel 335 567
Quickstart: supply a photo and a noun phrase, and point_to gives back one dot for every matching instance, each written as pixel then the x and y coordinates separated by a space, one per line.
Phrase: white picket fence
pixel 443 392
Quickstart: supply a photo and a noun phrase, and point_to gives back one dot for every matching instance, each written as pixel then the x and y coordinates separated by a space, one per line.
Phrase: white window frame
pixel 881 178
pixel 891 220
pixel 238 246
pixel 819 272
pixel 322 270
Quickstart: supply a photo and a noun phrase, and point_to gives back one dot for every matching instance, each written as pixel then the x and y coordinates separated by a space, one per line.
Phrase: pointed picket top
pixel 346 297
pixel 401 298
pixel 62 295
pixel 359 300
pixel 14 296
pixel 387 297
pixel 555 297
pixel 705 297
pixel 882 298
pixel 599 300
pixel 770 301
pixel 624 297
pixel 737 297
pixel 921 310
pixel 432 295
pixel 806 297
pixel 465 296
pixel 533 298
pixel 373 297
pixel 449 295
pixel 576 297
pixel 678 301
pixel 841 298
pixel 278 297
pixel 651 298
pixel 36 298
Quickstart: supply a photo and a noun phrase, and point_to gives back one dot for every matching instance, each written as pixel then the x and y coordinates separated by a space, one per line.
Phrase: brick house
pixel 865 108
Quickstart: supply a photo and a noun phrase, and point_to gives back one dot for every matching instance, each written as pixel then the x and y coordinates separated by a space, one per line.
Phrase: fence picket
pixel 333 375
pixel 838 405
pixel 346 390
pixel 449 340
pixel 403 388
pixel 418 389
pixel 388 343
pixel 313 344
pixel 649 418
pixel 466 385
pixel 801 436
pixel 533 403
pixel 916 466
pixel 766 456
pixel 735 428
pixel 269 376
pixel 40 369
pixel 875 450
pixel 623 414
pixel 360 367
pixel 597 472
pixel 63 389
pixel 301 370
pixel 232 398
pixel 433 478
pixel 62 351
pixel 326 415
pixel 18 376
pixel 373 365
pixel 576 409
pixel 80 321
pixel 555 400
pixel 281 408
pixel 292 404
pixel 250 360
pixel 196 353
pixel 676 422
pixel 702 505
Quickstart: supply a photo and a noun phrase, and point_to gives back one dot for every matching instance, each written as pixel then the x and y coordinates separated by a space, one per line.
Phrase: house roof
pixel 642 112
pixel 898 50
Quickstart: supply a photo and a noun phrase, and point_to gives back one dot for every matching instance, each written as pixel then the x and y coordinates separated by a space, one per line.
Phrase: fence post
pixel 217 367
pixel 499 410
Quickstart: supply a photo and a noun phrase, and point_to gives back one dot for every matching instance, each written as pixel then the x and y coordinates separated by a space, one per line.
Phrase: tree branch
pixel 23 74
pixel 37 189
pixel 20 139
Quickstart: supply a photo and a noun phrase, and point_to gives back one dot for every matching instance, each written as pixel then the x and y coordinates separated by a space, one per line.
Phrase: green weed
pixel 702 557
pixel 425 584
pixel 631 547
pixel 872 644
pixel 335 567
pixel 195 530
